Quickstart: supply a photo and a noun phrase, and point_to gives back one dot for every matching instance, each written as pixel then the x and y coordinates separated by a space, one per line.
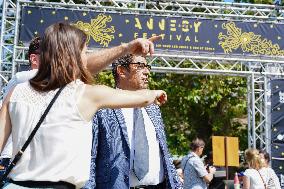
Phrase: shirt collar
pixel 194 154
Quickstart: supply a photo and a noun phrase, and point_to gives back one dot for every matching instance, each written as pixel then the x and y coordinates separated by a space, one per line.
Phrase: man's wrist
pixel 124 48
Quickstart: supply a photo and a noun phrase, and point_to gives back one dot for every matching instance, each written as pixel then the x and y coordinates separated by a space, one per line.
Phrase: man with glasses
pixel 130 149
pixel 194 171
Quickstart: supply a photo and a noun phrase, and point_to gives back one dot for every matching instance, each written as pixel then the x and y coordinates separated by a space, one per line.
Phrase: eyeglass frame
pixel 138 63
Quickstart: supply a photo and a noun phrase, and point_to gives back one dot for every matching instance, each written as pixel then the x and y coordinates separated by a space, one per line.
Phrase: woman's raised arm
pixel 99 96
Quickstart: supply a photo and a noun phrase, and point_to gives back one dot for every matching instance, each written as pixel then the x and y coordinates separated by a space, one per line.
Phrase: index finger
pixel 155 38
pixel 165 97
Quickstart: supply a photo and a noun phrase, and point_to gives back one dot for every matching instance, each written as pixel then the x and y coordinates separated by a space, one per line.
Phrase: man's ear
pixel 121 71
pixel 34 61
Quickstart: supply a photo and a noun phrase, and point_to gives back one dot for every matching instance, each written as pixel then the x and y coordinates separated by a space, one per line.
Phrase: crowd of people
pixel 95 136
pixel 197 175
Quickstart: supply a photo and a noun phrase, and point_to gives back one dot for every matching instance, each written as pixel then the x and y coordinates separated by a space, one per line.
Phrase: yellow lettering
pixel 187 38
pixel 144 35
pixel 135 35
pixel 138 24
pixel 163 36
pixel 185 26
pixel 150 24
pixel 170 37
pixel 162 24
pixel 173 25
pixel 195 39
pixel 196 26
pixel 178 37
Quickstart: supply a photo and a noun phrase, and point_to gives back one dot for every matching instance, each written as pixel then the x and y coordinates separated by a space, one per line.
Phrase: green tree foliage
pixel 202 106
pixel 255 1
pixel 199 106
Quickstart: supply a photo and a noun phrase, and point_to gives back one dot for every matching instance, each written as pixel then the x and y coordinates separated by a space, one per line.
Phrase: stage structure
pixel 229 53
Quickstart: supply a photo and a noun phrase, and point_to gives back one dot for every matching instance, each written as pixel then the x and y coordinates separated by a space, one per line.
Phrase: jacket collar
pixel 119 115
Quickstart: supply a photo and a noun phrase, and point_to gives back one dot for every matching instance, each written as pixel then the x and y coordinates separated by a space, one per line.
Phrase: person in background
pixel 265 158
pixel 20 77
pixel 257 175
pixel 59 155
pixel 195 173
pixel 177 164
pixel 274 181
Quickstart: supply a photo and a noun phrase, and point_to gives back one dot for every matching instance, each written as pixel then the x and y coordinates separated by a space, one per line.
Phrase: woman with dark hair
pixel 265 157
pixel 60 153
pixel 274 180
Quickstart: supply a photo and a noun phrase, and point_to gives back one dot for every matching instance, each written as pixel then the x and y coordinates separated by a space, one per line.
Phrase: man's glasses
pixel 139 65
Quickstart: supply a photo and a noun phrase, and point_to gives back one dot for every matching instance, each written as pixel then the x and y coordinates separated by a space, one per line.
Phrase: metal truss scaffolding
pixel 258 70
pixel 7 40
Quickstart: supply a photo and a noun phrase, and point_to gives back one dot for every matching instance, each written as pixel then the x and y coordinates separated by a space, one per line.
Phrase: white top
pixel 267 174
pixel 18 78
pixel 60 150
pixel 274 180
pixel 156 170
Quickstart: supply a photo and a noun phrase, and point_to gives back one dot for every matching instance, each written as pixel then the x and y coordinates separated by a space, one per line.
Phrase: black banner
pixel 277 126
pixel 179 33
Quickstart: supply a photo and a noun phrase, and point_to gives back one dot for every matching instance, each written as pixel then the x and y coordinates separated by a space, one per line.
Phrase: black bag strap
pixel 262 180
pixel 20 153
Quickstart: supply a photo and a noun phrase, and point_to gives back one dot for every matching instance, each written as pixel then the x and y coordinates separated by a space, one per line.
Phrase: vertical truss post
pixel 253 130
pixel 267 106
pixel 7 41
pixel 16 38
pixel 2 32
pixel 258 111
pixel 261 112
pixel 249 110
pixel 2 77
